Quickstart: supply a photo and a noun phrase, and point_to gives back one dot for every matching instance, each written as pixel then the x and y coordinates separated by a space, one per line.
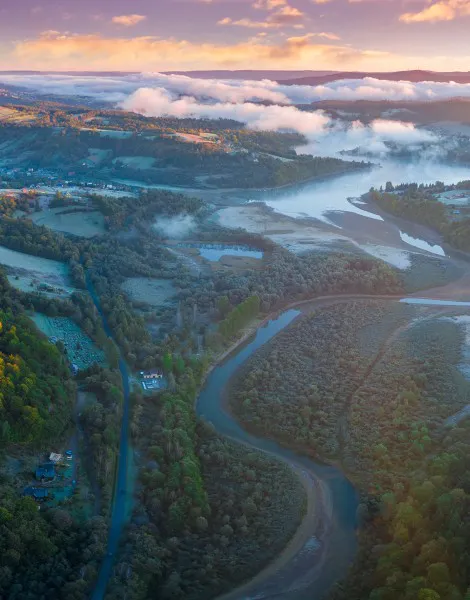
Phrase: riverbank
pixel 416 229
pixel 207 191
pixel 321 519
pixel 318 526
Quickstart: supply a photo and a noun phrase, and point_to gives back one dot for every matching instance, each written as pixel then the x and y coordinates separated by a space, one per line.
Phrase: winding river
pixel 312 562
pixel 325 544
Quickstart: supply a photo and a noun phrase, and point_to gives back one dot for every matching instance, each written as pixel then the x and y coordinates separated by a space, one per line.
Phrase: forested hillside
pixel 35 389
pixel 43 554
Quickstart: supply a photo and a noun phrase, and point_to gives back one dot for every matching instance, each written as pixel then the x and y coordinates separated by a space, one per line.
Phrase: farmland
pixel 10 115
pixel 47 285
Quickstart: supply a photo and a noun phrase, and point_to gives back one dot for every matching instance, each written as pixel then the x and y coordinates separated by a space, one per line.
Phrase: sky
pixel 164 35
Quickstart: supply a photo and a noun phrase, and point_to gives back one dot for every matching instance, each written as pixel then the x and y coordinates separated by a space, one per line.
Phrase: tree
pixel 428 594
pixel 438 573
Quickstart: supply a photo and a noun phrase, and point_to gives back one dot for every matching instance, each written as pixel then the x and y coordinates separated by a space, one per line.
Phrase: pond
pixel 214 252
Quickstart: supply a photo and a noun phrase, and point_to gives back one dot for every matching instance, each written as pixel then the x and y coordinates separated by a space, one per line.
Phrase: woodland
pixel 373 396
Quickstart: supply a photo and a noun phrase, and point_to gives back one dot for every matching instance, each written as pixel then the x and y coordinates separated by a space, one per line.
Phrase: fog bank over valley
pixel 261 105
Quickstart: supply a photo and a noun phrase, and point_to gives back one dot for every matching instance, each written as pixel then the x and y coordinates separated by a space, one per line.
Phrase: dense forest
pixel 373 393
pixel 43 554
pixel 101 421
pixel 209 513
pixel 125 212
pixel 302 380
pixel 35 388
pixel 46 554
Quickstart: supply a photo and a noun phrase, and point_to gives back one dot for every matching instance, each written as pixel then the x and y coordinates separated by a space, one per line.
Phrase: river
pixel 319 199
pixel 318 561
pixel 301 572
pixel 120 493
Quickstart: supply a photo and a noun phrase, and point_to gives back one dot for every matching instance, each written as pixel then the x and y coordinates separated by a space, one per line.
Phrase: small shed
pixel 55 458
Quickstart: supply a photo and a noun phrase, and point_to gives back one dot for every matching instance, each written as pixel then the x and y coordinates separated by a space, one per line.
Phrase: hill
pixel 415 76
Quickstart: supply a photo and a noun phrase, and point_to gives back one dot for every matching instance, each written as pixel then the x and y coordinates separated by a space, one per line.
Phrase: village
pixel 48 181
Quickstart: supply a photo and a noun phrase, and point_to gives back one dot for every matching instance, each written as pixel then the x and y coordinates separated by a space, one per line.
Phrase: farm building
pixel 39 494
pixel 151 374
pixel 152 380
pixel 45 471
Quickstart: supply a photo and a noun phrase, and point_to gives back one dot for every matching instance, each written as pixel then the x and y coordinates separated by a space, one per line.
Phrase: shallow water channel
pixel 320 561
pixel 304 576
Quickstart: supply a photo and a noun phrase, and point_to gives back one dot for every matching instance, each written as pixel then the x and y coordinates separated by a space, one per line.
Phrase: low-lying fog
pixel 261 105
pixel 268 105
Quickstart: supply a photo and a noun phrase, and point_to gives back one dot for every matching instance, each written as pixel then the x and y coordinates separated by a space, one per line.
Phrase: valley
pixel 264 356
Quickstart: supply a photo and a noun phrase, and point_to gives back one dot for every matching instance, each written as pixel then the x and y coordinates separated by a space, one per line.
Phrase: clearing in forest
pixel 29 274
pixel 81 349
pixel 136 162
pixel 85 224
pixel 155 292
pixel 28 262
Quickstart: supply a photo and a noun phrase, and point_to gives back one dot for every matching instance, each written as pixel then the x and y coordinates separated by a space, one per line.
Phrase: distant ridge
pixel 218 74
pixel 415 76
pixel 305 77
pixel 252 74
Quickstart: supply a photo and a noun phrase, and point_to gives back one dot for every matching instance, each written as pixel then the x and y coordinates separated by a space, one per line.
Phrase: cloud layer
pixel 261 105
pixel 442 10
pixel 118 88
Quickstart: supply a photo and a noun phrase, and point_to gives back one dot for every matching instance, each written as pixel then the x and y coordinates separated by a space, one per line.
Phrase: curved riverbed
pixel 325 544
pixel 316 563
